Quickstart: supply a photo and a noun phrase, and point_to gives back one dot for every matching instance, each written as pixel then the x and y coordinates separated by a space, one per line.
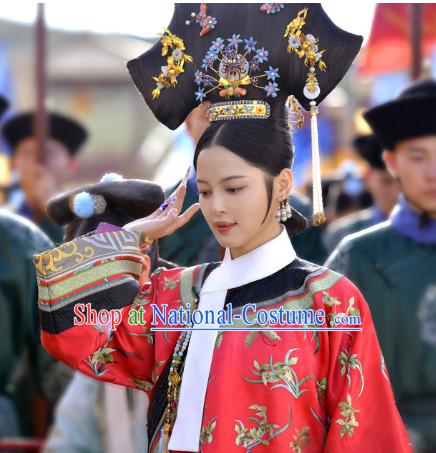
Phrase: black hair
pixel 341 202
pixel 265 144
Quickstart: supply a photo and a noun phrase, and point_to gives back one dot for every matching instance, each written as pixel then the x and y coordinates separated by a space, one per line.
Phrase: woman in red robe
pixel 284 371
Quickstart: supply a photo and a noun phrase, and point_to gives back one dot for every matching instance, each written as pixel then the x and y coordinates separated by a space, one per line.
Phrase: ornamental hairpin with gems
pixel 295 116
pixel 175 62
pixel 231 66
pixel 205 21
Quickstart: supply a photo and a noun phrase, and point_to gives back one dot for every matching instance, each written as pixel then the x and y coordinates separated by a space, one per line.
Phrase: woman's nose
pixel 217 205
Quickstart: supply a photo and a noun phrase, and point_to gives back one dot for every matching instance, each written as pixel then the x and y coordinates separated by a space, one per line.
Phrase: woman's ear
pixel 285 179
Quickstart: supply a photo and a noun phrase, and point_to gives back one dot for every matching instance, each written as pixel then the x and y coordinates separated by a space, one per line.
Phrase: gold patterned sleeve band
pixel 85 266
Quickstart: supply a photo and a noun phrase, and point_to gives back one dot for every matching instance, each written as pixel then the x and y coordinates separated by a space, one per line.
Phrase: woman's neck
pixel 269 233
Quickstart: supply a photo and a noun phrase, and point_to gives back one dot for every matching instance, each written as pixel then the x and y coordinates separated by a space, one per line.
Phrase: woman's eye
pixel 204 193
pixel 234 189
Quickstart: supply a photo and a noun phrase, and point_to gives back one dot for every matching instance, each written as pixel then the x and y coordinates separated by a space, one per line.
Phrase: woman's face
pixel 234 200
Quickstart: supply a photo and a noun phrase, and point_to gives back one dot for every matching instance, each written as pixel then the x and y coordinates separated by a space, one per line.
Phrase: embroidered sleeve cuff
pixel 89 269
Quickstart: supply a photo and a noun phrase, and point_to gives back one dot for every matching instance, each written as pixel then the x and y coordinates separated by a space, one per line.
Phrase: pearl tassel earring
pixel 284 211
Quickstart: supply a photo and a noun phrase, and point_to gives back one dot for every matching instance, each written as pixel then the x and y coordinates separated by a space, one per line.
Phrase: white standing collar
pixel 261 262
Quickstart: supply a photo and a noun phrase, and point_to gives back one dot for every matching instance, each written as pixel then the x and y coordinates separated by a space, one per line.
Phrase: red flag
pixel 389 46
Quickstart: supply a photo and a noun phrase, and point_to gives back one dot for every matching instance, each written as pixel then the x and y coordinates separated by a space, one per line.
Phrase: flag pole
pixel 416 40
pixel 40 123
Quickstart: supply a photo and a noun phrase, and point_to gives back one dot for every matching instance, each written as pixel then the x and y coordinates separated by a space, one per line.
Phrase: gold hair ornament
pixel 305 46
pixel 175 62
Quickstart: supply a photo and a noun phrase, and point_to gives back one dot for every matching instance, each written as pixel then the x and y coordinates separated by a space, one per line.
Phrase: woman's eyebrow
pixel 232 177
pixel 200 181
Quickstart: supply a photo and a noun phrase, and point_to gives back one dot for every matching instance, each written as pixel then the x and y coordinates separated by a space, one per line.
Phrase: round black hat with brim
pixel 65 130
pixel 369 149
pixel 412 114
pixel 4 104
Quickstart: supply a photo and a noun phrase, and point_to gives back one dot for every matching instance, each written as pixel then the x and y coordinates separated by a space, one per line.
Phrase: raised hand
pixel 166 219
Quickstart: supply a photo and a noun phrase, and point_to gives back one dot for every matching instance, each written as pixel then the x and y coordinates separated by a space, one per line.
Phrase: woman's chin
pixel 227 241
pixel 224 242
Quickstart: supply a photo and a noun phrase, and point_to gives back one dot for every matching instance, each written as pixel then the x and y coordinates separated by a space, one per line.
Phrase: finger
pixel 153 227
pixel 163 210
pixel 188 214
pixel 185 178
pixel 155 214
pixel 179 197
pixel 184 182
pixel 165 225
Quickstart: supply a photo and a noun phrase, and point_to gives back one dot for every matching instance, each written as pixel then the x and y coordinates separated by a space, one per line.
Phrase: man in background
pixel 24 364
pixel 382 186
pixel 394 263
pixel 40 177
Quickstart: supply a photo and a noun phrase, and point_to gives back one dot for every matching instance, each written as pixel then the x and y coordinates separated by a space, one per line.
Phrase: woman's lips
pixel 224 227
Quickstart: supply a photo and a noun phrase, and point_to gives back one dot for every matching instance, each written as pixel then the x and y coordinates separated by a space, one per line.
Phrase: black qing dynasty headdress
pixel 246 59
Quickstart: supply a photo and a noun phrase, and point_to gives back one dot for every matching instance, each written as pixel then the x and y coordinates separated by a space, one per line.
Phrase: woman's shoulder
pixel 193 276
pixel 335 293
pixel 322 277
pixel 303 274
pixel 316 279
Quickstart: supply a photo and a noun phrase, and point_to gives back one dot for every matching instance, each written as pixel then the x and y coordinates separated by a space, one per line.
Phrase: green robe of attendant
pixel 53 231
pixel 351 223
pixel 203 246
pixel 308 243
pixel 397 276
pixel 22 357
